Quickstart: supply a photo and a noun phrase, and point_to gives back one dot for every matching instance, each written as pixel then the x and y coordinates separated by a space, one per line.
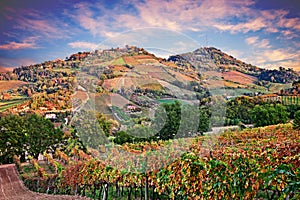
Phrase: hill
pixel 220 67
pixel 211 59
pixel 141 78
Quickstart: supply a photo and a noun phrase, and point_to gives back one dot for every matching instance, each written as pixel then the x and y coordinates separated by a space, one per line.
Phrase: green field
pixel 119 61
pixel 4 105
pixel 171 101
pixel 275 87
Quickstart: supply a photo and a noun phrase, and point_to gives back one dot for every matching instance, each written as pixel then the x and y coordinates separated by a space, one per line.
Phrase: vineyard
pixel 290 100
pixel 11 103
pixel 260 163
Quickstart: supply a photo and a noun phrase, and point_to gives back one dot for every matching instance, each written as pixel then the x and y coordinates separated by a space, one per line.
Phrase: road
pixel 12 188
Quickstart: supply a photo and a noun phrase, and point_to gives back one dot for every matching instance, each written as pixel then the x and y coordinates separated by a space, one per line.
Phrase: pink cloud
pixel 254 41
pixel 83 45
pixel 17 46
pixel 182 15
pixel 28 43
pixel 89 20
pixel 187 15
pixel 251 40
pixel 43 27
pixel 250 25
pixel 273 58
pixel 290 23
pixel 178 15
pixel 37 23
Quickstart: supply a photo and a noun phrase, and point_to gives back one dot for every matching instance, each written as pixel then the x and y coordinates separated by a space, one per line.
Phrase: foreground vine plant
pixel 257 163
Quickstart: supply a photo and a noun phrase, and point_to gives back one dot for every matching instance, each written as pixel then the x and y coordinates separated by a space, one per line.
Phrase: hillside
pixel 139 77
pixel 210 58
pixel 220 67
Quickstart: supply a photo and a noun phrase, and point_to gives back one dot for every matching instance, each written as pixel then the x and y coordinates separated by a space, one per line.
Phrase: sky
pixel 265 33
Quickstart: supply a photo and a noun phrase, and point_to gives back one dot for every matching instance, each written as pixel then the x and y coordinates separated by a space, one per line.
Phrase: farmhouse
pixel 50 116
pixel 130 108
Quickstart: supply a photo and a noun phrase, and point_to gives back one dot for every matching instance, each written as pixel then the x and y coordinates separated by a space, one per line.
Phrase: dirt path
pixel 12 188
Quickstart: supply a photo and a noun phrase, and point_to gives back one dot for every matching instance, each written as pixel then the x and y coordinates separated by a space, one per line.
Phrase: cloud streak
pixel 254 41
pixel 273 58
pixel 36 23
pixel 29 43
pixel 177 15
pixel 259 28
pixel 83 45
pixel 183 15
pixel 17 46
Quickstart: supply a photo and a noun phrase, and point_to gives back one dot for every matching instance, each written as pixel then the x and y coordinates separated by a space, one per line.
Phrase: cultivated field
pixel 239 77
pixel 4 105
pixel 5 69
pixel 104 101
pixel 10 85
pixel 80 95
pixel 130 60
pixel 127 82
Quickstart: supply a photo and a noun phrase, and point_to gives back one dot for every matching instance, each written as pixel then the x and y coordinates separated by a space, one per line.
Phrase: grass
pixel 171 101
pixel 119 61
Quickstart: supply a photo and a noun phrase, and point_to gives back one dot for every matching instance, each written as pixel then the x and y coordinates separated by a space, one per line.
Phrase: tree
pixel 30 134
pixel 268 114
pixel 170 118
pixel 12 134
pixel 204 121
pixel 41 135
pixel 193 121
pixel 296 122
pixel 189 121
pixel 282 115
pixel 122 137
pixel 107 125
